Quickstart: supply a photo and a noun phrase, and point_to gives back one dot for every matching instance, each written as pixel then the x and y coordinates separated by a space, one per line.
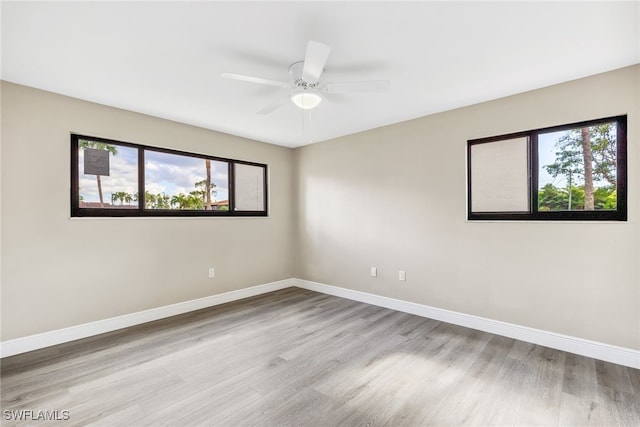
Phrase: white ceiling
pixel 165 58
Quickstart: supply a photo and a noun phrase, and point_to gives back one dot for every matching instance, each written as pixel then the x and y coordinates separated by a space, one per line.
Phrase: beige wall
pixel 59 272
pixel 395 198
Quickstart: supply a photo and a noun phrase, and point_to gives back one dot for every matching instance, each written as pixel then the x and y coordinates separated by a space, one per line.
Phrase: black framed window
pixel 115 178
pixel 575 172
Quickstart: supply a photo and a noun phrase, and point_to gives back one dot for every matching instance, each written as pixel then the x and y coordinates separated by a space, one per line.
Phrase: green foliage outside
pixel 194 200
pixel 84 143
pixel 157 201
pixel 551 198
pixel 591 187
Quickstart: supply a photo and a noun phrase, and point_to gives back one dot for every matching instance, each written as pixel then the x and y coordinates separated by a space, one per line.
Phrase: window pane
pixel 249 187
pixel 577 169
pixel 499 176
pixel 108 175
pixel 180 182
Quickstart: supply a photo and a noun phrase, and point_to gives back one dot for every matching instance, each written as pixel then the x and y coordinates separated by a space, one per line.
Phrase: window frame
pixel 533 214
pixel 141 210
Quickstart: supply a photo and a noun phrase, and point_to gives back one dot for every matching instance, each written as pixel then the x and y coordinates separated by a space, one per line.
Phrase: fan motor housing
pixel 295 72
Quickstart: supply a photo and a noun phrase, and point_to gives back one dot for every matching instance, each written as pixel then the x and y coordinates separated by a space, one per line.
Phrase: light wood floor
pixel 296 357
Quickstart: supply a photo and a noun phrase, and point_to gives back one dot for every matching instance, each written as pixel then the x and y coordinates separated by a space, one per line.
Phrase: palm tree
pixel 180 200
pixel 162 201
pixel 84 144
pixel 149 200
pixel 205 189
pixel 120 195
pixel 194 200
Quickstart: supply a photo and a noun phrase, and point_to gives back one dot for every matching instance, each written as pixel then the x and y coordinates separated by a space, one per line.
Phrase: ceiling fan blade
pixel 272 107
pixel 361 86
pixel 258 80
pixel 314 61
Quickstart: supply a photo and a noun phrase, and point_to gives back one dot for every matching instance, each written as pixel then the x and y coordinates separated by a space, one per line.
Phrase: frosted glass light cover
pixel 306 100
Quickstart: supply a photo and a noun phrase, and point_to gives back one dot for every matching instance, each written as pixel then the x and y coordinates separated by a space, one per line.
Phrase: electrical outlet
pixel 402 275
pixel 212 272
pixel 374 272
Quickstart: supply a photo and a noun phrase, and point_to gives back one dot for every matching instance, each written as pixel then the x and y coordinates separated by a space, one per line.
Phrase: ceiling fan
pixel 306 90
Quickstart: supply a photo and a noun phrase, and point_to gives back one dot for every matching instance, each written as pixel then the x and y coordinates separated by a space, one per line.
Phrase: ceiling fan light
pixel 306 100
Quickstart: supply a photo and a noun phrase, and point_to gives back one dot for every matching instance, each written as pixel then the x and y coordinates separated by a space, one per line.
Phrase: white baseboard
pixel 609 353
pixel 46 339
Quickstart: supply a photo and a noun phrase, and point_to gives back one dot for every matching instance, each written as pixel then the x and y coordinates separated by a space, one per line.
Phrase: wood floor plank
pixel 578 411
pixel 580 377
pixel 297 357
pixel 634 376
pixel 465 400
pixel 542 390
pixel 619 408
pixel 614 377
